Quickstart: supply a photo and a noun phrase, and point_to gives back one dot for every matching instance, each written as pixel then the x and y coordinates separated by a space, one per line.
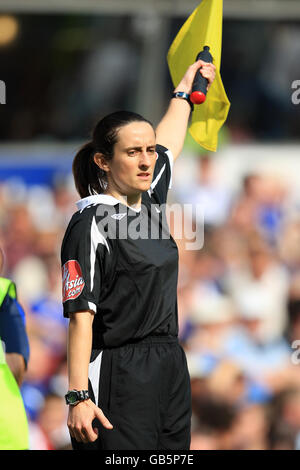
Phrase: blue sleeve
pixel 12 328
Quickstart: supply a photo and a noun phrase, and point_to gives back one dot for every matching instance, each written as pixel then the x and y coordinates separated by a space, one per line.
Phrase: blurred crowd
pixel 238 302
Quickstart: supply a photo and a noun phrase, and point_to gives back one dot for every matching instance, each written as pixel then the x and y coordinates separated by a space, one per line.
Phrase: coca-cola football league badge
pixel 72 280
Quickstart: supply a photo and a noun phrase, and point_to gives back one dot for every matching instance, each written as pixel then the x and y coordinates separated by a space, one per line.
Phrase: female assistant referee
pixel 129 385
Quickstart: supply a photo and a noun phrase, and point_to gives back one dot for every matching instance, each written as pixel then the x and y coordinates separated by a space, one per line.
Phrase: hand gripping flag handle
pixel 199 90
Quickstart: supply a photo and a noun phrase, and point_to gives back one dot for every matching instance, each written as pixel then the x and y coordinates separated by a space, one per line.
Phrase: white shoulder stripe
pixel 171 160
pixel 96 238
pixel 154 183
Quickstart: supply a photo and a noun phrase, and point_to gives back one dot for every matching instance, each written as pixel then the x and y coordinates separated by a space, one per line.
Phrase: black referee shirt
pixel 123 264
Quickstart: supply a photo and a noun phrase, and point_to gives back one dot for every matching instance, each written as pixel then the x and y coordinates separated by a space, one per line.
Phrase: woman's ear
pixel 101 161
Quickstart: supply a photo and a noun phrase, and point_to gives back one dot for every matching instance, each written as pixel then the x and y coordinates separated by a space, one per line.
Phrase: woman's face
pixel 131 169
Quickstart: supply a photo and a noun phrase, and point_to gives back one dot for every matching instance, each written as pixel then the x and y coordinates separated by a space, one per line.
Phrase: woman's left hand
pixel 208 70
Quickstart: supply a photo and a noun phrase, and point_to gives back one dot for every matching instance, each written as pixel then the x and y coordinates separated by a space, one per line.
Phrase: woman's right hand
pixel 80 421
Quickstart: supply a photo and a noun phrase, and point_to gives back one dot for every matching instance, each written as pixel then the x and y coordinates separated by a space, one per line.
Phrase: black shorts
pixel 143 388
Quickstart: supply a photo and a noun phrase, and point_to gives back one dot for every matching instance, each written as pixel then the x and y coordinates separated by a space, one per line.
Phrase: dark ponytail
pixel 89 178
pixel 86 173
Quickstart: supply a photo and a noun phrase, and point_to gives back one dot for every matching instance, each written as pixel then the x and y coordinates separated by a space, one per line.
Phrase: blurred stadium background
pixel 65 64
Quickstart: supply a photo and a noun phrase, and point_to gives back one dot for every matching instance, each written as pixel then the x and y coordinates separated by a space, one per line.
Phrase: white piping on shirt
pixel 96 238
pixel 101 199
pixel 94 375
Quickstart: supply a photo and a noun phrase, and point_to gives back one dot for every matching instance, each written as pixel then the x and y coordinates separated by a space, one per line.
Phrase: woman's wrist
pixel 184 97
pixel 78 386
pixel 183 87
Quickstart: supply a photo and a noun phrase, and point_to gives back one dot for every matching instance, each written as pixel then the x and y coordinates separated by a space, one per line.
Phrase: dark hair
pixel 89 178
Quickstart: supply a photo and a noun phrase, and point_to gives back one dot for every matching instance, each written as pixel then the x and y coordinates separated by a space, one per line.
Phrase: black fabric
pixel 132 282
pixel 145 393
pixel 163 168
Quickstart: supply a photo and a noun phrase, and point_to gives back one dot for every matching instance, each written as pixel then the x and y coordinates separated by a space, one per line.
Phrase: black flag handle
pixel 199 87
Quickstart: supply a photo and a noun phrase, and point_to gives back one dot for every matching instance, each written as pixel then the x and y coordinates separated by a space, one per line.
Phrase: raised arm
pixel 172 128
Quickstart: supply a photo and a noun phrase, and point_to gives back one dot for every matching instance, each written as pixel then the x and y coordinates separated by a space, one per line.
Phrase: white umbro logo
pixel 157 210
pixel 118 216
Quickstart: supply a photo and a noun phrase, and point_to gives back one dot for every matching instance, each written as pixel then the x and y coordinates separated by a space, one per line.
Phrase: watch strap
pixel 80 395
pixel 184 96
pixel 83 394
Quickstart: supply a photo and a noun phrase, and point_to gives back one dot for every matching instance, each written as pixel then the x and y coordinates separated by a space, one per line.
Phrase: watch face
pixel 72 397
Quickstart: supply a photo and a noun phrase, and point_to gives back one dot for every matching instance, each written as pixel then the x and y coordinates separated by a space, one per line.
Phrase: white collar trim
pixel 100 199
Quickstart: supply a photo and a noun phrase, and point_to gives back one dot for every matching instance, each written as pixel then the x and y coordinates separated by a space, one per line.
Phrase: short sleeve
pixel 162 177
pixel 83 254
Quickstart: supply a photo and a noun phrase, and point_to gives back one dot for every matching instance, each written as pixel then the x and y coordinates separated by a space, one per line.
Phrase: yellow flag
pixel 202 28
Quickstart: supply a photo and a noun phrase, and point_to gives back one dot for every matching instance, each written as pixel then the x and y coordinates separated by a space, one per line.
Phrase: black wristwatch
pixel 184 96
pixel 75 396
